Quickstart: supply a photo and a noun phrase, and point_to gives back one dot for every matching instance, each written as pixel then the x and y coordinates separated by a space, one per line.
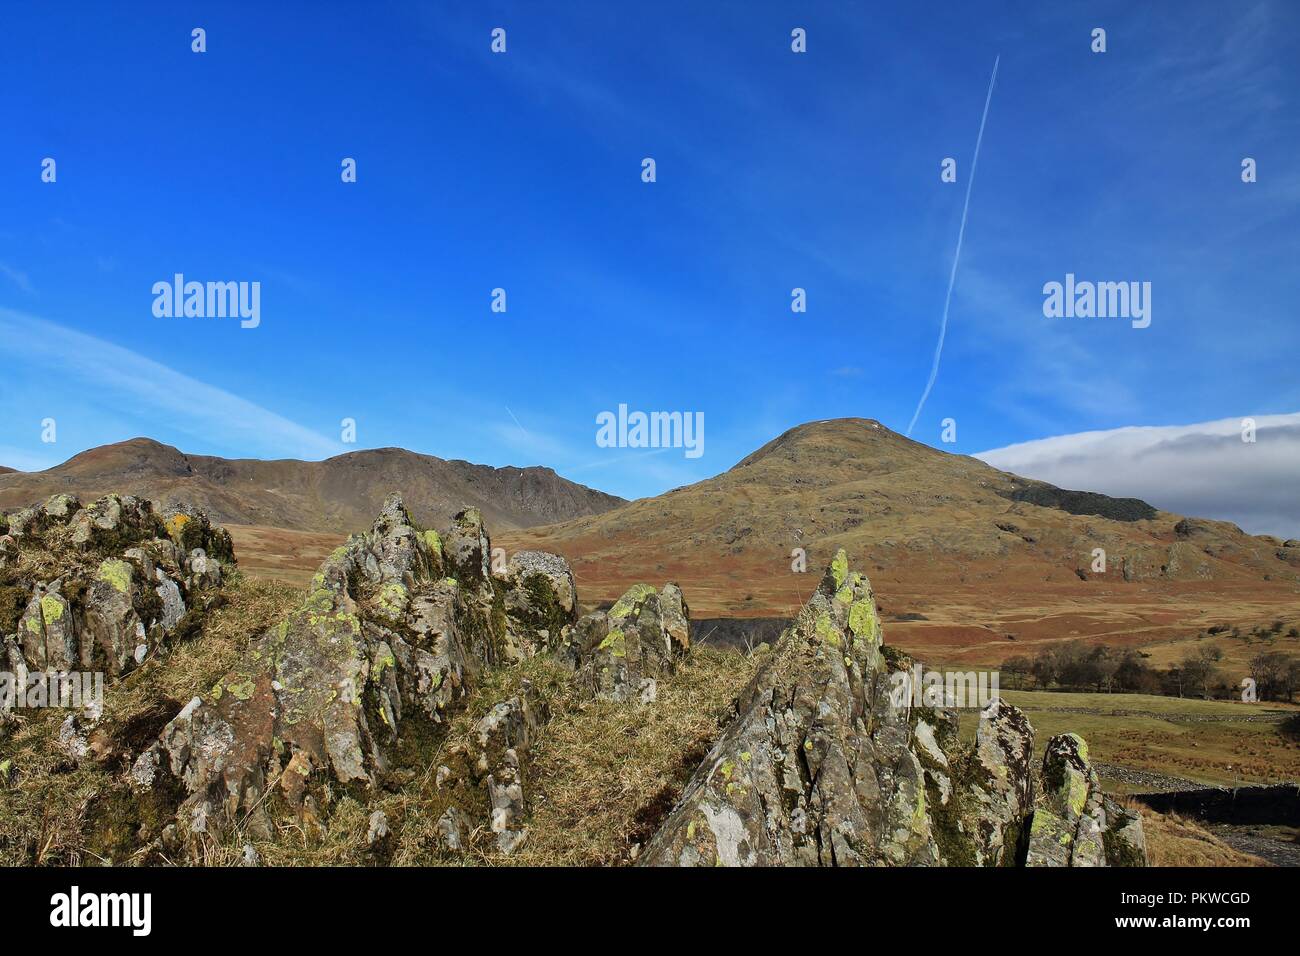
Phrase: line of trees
pixel 1101 668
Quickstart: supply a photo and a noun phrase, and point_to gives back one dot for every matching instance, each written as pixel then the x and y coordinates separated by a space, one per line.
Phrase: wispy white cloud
pixel 18 277
pixel 159 395
pixel 1203 469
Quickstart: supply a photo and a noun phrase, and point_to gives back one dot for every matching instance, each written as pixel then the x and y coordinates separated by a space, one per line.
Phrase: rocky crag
pixel 403 631
pixel 101 588
pixel 826 765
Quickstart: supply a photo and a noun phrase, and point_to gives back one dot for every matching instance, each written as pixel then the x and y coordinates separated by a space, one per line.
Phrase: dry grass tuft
pixel 605 774
pixel 1175 841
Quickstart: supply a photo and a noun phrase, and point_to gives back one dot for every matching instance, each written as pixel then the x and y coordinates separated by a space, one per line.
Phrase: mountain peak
pixel 834 442
pixel 337 495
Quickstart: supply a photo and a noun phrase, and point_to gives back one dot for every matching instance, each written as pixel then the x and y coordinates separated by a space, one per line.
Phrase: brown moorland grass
pixel 1174 841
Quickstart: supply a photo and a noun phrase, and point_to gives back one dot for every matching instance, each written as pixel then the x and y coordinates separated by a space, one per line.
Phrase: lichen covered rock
pixel 1074 822
pixel 395 629
pixel 622 652
pixel 541 599
pixel 826 765
pixel 123 585
pixel 500 750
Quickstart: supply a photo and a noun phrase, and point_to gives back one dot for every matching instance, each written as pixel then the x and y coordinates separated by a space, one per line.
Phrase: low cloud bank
pixel 1204 470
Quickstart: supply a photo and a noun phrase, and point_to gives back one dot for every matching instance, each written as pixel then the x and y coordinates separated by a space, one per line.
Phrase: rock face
pixel 391 638
pixel 829 764
pixel 125 579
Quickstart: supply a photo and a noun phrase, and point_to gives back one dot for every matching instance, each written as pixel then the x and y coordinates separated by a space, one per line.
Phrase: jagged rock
pixel 1004 753
pixel 385 644
pixel 55 510
pixel 467 548
pixel 72 740
pixel 452 830
pixel 112 631
pixel 8 550
pixel 46 631
pixel 540 598
pixel 1069 819
pixel 61 507
pixel 500 738
pixel 201 570
pixel 648 692
pixel 1074 822
pixel 1126 842
pixel 509 725
pixel 377 828
pixel 125 588
pixel 193 531
pixel 675 618
pixel 113 520
pixel 173 604
pixel 23 522
pixel 641 638
pixel 826 765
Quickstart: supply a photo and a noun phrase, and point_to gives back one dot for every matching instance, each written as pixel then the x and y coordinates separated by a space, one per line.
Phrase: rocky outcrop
pixel 396 627
pixel 622 653
pixel 1068 819
pixel 828 764
pixel 500 748
pixel 541 599
pixel 1074 822
pixel 829 760
pixel 100 588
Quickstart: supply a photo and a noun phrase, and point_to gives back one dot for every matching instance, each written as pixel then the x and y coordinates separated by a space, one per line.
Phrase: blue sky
pixel 522 170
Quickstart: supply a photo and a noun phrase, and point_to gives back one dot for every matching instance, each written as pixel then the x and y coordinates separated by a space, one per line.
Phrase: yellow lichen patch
pixel 1044 821
pixel 840 568
pixel 1078 793
pixel 242 690
pixel 827 630
pixel 386 661
pixel 117 573
pixel 615 643
pixel 918 816
pixel 623 606
pixel 863 620
pixel 176 524
pixel 51 609
pixel 433 541
pixel 393 598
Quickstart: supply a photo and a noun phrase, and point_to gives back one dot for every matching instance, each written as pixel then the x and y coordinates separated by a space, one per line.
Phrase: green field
pixel 1223 743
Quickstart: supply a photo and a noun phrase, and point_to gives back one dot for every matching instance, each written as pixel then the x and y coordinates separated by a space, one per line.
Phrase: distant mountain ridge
pixel 982 553
pixel 337 495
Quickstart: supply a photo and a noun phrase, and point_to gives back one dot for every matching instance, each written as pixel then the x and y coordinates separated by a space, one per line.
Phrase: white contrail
pixel 961 233
pixel 521 427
